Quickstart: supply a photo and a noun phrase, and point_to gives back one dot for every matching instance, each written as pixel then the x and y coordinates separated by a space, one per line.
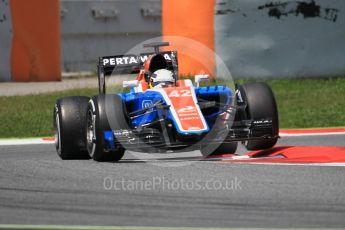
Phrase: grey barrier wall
pixel 93 28
pixel 264 38
pixel 5 40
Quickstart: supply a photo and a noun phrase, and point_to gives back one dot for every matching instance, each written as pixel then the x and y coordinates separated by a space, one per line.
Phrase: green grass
pixel 302 103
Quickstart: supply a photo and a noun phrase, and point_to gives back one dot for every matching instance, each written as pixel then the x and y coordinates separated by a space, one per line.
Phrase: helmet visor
pixel 162 83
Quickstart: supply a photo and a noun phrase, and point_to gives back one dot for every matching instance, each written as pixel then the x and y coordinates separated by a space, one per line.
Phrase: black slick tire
pixel 261 104
pixel 102 111
pixel 69 127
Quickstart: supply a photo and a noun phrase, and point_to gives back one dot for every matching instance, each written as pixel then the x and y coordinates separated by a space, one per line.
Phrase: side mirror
pixel 130 84
pixel 200 78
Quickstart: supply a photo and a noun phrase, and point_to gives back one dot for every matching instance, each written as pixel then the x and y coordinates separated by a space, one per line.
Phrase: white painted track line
pixel 309 134
pixel 28 141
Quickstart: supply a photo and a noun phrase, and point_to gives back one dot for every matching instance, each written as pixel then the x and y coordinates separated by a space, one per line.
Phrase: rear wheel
pixel 261 104
pixel 98 122
pixel 69 127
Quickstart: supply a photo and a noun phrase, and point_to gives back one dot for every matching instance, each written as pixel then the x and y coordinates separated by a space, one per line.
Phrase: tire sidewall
pixel 97 148
pixel 97 107
pixel 57 129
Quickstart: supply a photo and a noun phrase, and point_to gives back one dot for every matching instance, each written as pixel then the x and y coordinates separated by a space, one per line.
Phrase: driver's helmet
pixel 161 78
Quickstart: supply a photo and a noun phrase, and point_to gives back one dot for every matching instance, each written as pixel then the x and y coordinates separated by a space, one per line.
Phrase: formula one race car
pixel 162 113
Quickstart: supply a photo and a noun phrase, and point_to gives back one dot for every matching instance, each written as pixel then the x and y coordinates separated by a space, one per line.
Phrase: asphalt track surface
pixel 38 188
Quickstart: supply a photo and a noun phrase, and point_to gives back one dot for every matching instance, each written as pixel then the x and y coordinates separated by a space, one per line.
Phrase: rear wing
pixel 129 64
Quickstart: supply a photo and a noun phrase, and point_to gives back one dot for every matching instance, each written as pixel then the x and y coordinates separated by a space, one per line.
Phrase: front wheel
pixel 261 104
pixel 97 122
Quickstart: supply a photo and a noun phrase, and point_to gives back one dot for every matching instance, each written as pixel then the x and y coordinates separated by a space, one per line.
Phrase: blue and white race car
pixel 161 113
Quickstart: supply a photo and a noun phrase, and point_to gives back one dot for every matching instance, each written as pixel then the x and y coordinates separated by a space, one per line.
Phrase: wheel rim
pixel 57 133
pixel 91 133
